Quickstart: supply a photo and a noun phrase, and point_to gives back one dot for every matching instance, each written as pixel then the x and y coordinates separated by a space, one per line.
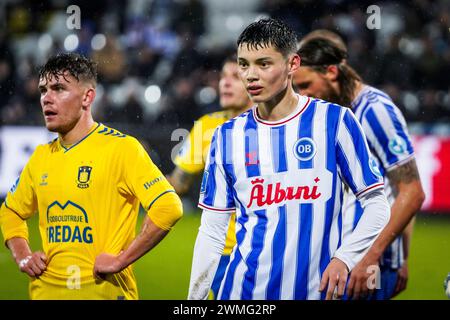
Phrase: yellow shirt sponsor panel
pixel 88 198
pixel 193 154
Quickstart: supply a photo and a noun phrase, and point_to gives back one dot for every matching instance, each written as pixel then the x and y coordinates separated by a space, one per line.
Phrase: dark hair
pixel 335 38
pixel 319 53
pixel 78 66
pixel 232 57
pixel 269 32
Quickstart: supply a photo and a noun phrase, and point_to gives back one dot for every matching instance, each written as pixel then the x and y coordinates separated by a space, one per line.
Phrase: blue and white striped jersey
pixel 390 145
pixel 284 180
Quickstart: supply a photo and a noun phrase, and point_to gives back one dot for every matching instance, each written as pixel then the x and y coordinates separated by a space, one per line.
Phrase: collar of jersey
pixel 298 110
pixel 358 98
pixel 77 143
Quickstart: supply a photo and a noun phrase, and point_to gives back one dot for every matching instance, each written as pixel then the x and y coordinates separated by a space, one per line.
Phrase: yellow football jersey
pixel 193 155
pixel 88 198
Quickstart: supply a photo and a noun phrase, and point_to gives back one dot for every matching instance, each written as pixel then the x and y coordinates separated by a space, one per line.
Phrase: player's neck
pixel 81 130
pixel 279 107
pixel 359 86
pixel 233 113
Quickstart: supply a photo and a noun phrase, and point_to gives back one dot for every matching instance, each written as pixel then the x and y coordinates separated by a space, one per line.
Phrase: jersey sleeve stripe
pixel 161 194
pixel 370 188
pixel 227 210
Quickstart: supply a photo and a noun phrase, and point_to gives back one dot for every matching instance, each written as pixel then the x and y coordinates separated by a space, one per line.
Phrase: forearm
pixel 161 217
pixel 180 180
pixel 374 219
pixel 147 239
pixel 207 252
pixel 19 248
pixel 407 235
pixel 403 210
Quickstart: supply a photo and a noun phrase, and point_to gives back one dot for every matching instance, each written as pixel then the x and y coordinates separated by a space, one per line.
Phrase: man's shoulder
pixel 213 119
pixel 372 98
pixel 108 136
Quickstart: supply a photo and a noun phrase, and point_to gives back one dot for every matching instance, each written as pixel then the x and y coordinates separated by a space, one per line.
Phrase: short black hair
pixel 320 52
pixel 77 65
pixel 269 32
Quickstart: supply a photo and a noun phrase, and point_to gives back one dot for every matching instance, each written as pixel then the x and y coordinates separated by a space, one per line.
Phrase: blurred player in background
pixel 190 162
pixel 277 166
pixel 87 186
pixel 325 74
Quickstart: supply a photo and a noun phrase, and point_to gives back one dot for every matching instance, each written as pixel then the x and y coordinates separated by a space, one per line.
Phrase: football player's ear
pixel 294 63
pixel 332 72
pixel 88 98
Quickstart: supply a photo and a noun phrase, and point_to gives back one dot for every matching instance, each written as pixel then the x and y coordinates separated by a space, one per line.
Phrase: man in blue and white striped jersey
pixel 325 74
pixel 280 166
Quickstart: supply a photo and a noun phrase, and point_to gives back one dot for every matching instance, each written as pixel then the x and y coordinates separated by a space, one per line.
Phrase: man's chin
pixel 51 128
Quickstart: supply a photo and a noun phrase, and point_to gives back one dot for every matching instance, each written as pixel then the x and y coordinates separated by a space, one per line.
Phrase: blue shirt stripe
pixel 259 233
pixel 306 131
pixel 278 139
pixel 398 127
pixel 251 148
pixel 210 182
pixel 227 150
pixel 278 250
pixel 304 251
pixel 377 129
pixel 332 119
pixel 359 147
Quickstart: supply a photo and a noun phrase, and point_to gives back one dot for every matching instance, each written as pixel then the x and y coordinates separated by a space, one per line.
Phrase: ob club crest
pixel 305 149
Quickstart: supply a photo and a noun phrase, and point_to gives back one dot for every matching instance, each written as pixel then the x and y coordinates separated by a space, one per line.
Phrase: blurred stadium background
pixel 159 63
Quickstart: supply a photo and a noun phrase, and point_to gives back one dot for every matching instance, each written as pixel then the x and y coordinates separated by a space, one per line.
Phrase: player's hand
pixel 33 265
pixel 402 279
pixel 358 285
pixel 106 263
pixel 335 276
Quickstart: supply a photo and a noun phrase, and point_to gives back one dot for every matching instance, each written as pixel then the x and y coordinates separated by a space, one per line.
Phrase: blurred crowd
pixel 159 65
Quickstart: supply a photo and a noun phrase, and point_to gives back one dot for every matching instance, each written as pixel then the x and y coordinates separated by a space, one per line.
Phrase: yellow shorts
pixel 115 287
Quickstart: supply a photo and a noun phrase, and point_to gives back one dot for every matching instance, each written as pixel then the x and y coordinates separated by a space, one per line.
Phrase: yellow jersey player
pixel 190 161
pixel 87 186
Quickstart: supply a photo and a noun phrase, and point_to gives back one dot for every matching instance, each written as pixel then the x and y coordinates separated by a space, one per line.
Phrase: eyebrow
pixel 52 86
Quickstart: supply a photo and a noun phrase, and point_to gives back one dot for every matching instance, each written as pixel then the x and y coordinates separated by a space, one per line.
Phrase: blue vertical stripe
pixel 242 219
pixel 251 147
pixel 345 168
pixel 304 251
pixel 360 150
pixel 377 129
pixel 278 142
pixel 210 182
pixel 306 131
pixel 332 121
pixel 398 127
pixel 259 233
pixel 227 152
pixel 278 250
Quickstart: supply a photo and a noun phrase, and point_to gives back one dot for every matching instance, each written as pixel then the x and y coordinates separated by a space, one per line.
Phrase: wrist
pixel 121 261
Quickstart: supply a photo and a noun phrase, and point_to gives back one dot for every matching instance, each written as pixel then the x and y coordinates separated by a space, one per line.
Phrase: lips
pixel 254 90
pixel 227 94
pixel 49 114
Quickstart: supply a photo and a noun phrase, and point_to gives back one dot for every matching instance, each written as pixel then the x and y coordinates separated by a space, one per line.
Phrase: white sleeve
pixel 207 252
pixel 375 217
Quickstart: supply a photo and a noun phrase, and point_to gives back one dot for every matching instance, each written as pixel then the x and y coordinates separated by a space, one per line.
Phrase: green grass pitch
pixel 164 272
